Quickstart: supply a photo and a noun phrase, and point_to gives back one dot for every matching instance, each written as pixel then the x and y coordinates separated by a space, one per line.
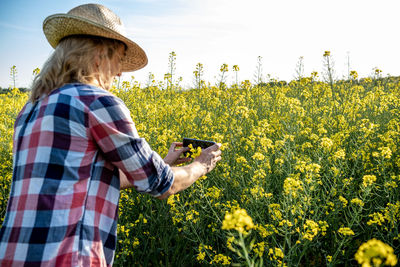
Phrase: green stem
pixel 243 246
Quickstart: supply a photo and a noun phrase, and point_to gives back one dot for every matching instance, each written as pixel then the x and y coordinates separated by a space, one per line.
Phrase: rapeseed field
pixel 310 174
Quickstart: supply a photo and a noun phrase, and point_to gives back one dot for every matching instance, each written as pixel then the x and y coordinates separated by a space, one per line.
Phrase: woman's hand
pixel 209 157
pixel 174 155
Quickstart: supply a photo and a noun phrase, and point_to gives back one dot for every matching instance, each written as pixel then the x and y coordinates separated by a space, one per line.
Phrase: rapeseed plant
pixel 375 253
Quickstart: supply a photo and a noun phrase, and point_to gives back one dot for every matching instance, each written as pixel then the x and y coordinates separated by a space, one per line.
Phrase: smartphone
pixel 197 143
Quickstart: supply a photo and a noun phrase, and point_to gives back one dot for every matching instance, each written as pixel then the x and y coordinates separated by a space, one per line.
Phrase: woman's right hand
pixel 209 157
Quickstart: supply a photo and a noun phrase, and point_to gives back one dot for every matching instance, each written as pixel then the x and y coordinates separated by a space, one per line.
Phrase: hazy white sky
pixel 214 32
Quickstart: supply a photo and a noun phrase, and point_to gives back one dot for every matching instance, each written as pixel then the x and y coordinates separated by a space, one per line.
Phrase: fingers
pixel 214 147
pixel 184 149
pixel 216 153
pixel 178 143
pixel 174 145
pixel 217 156
pixel 213 151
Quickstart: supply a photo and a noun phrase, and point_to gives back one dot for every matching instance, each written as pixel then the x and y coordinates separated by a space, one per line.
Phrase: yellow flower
pixel 345 231
pixel 238 220
pixel 241 159
pixel 135 243
pixel 268 230
pixel 201 256
pixel 266 143
pixel 323 226
pixel 276 253
pixel 357 201
pixel 326 142
pixel 368 180
pixel 375 253
pixel 195 152
pixel 229 242
pixel 258 156
pixel 222 259
pixel 258 192
pixel 275 211
pixel 327 53
pixel 340 154
pixel 344 201
pixel 214 192
pixel 259 248
pixel 291 186
pixel 354 74
pixel 377 218
pixel 36 71
pixel 192 215
pixel 311 230
pixel 224 68
pixel 386 152
pixel 279 161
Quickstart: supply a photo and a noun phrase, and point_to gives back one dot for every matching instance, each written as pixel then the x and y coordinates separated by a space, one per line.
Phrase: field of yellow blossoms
pixel 310 174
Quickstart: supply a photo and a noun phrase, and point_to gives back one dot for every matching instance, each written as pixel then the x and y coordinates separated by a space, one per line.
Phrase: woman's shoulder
pixel 85 93
pixel 76 89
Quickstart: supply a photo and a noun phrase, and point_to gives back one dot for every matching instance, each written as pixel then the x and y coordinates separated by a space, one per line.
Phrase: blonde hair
pixel 73 61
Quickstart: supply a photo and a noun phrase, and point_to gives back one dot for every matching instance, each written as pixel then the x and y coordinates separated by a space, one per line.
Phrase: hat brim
pixel 58 26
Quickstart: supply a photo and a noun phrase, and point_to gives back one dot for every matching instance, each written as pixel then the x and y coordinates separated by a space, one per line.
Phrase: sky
pixel 361 35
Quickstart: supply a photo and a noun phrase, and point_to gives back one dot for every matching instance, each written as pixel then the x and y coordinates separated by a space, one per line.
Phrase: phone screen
pixel 197 143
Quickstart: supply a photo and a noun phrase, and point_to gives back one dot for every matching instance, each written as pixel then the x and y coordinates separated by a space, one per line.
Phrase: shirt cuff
pixel 165 176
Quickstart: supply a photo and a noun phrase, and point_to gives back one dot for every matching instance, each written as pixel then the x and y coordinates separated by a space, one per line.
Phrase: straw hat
pixel 97 20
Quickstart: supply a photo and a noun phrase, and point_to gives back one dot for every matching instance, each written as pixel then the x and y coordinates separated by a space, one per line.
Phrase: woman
pixel 75 147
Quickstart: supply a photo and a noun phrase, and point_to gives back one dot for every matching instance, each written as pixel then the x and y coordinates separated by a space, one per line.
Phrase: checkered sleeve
pixel 113 130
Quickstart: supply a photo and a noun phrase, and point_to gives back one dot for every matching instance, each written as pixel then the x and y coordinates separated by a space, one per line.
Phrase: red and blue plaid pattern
pixel 63 204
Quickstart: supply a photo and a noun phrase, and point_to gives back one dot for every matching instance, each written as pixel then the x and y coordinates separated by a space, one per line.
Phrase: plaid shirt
pixel 63 204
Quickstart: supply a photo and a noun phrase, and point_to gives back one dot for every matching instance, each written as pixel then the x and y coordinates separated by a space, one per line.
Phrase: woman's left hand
pixel 174 155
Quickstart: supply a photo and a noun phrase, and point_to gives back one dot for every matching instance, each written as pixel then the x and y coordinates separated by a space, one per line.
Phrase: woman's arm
pixel 184 177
